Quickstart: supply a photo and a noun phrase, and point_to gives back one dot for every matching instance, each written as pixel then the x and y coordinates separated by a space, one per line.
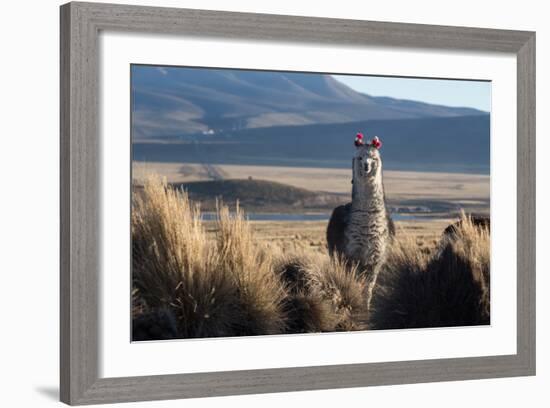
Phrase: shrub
pixel 346 289
pixel 449 289
pixel 157 324
pixel 324 294
pixel 306 309
pixel 260 292
pixel 220 288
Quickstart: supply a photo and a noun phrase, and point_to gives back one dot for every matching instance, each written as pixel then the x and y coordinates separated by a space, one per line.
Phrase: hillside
pixel 454 144
pixel 173 102
pixel 256 195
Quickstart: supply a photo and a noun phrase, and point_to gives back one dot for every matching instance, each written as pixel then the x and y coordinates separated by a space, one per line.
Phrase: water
pixel 299 217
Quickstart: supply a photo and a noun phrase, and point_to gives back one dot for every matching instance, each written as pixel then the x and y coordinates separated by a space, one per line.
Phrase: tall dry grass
pixel 448 288
pixel 224 287
pixel 261 293
pixel 323 294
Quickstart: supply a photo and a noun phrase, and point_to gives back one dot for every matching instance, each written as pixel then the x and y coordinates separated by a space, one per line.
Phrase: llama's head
pixel 367 163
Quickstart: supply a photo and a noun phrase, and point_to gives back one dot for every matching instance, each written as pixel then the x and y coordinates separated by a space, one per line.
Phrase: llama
pixel 361 231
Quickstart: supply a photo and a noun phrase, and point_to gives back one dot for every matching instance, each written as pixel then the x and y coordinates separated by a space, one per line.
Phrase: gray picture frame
pixel 81 24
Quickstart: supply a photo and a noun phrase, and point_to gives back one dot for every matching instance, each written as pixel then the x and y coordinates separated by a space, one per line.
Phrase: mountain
pixel 171 102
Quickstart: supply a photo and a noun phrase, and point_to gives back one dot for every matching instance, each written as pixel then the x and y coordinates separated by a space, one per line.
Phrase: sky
pixel 471 94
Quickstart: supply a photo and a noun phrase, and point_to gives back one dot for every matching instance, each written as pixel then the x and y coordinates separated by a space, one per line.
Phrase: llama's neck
pixel 368 196
pixel 367 231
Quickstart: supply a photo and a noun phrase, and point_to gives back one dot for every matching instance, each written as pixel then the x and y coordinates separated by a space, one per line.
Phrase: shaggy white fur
pixel 367 233
pixel 365 228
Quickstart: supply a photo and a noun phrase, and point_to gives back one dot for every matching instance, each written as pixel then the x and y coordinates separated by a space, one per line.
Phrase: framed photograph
pixel 261 203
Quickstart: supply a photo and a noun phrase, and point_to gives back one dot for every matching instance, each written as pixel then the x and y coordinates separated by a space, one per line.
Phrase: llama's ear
pixel 359 140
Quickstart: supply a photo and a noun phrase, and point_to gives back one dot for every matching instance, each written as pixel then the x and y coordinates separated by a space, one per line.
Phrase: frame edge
pixel 526 204
pixel 79 178
pixel 79 381
pixel 65 248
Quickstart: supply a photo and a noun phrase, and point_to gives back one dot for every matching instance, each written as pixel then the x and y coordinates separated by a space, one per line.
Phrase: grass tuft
pixel 213 288
pixel 450 288
pixel 325 294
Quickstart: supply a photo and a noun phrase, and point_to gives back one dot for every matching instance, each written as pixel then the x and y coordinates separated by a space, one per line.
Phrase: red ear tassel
pixel 359 140
pixel 376 142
